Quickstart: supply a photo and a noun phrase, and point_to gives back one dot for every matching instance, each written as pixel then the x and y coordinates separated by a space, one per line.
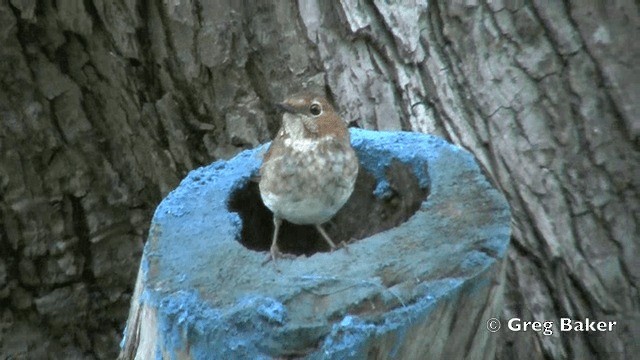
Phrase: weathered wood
pixel 420 280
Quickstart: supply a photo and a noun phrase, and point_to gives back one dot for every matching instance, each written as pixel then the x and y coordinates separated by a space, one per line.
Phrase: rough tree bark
pixel 105 105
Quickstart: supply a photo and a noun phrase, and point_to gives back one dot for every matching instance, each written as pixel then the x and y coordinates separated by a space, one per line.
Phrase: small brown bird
pixel 310 169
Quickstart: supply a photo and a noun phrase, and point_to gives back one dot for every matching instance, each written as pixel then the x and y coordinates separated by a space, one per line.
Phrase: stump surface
pixel 428 232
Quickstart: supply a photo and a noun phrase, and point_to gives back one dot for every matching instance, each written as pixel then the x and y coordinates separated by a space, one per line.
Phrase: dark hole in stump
pixel 362 216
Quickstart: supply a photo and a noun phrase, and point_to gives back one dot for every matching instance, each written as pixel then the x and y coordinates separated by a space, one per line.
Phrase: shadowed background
pixel 106 105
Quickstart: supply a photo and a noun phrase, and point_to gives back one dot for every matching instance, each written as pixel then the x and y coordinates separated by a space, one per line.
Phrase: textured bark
pixel 105 105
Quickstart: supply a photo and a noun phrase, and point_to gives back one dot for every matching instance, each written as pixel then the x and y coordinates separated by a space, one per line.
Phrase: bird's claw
pixel 343 245
pixel 276 254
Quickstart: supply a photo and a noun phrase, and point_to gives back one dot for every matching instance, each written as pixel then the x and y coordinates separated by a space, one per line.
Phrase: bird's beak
pixel 285 107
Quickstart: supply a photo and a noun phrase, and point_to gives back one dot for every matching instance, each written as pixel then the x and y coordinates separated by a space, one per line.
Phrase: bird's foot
pixel 332 245
pixel 274 254
pixel 342 245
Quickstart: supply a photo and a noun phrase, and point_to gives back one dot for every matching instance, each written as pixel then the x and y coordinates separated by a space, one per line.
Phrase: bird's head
pixel 306 115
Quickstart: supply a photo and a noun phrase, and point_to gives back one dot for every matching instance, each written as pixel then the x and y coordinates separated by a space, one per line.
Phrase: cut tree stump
pixel 421 276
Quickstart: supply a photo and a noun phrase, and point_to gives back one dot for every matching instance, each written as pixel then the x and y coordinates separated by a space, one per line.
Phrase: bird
pixel 310 169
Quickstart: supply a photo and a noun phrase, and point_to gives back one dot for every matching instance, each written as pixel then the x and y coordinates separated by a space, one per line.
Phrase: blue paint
pixel 273 311
pixel 234 331
pixel 196 212
pixel 347 338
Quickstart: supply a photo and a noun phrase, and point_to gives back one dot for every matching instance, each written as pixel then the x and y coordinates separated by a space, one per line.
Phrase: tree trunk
pixel 105 105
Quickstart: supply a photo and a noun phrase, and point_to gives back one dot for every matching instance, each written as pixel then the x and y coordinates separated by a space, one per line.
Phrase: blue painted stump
pixel 421 276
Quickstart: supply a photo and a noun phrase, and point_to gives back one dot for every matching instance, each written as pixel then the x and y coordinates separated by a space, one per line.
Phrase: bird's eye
pixel 315 109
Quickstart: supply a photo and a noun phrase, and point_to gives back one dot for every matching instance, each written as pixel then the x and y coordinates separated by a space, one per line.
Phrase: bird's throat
pixel 298 127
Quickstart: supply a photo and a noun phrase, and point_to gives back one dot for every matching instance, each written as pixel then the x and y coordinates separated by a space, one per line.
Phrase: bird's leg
pixel 275 252
pixel 326 237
